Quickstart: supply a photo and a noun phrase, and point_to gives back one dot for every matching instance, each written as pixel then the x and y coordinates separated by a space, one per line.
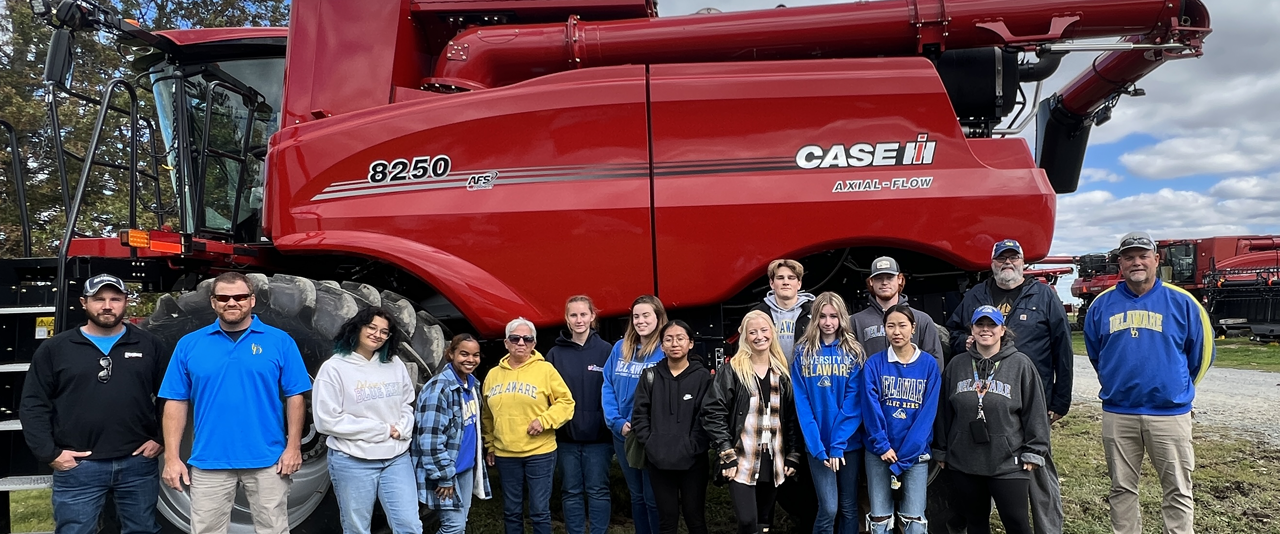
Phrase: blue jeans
pixel 538 471
pixel 837 493
pixel 79 494
pixel 644 506
pixel 915 483
pixel 584 469
pixel 455 521
pixel 357 482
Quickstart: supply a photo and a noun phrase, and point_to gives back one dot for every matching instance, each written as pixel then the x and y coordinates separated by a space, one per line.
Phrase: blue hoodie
pixel 618 395
pixel 1150 351
pixel 900 405
pixel 827 390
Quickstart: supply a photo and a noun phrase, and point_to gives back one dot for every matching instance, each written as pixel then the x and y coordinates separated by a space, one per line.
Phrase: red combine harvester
pixel 1231 275
pixel 468 162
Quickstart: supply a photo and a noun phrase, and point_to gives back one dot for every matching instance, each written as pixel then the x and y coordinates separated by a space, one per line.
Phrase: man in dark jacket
pixel 885 287
pixel 1035 314
pixel 89 410
pixel 790 309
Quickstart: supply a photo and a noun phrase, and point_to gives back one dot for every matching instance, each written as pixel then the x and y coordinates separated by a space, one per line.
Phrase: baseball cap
pixel 884 264
pixel 95 283
pixel 1137 240
pixel 989 312
pixel 1003 245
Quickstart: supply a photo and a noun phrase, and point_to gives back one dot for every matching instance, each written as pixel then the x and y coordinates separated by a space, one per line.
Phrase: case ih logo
pixel 918 152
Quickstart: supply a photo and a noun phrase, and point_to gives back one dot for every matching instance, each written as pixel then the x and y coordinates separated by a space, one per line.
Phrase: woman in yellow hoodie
pixel 525 400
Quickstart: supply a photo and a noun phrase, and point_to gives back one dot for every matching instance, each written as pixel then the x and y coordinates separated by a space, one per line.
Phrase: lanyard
pixel 980 386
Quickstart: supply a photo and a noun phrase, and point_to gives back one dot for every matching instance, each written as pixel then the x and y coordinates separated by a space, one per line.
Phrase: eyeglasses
pixel 515 340
pixel 383 332
pixel 1138 241
pixel 1007 259
pixel 105 374
pixel 227 298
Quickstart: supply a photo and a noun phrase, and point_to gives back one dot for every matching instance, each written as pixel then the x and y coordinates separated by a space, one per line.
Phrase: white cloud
pixel 1204 152
pixel 1248 188
pixel 1090 175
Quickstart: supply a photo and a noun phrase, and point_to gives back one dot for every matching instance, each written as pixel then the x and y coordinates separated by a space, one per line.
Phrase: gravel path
pixel 1248 401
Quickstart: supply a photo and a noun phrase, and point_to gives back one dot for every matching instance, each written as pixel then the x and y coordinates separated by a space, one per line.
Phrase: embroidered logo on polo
pixel 255 348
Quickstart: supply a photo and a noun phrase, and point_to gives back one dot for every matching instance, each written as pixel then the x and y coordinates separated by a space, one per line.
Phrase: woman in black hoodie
pixel 994 427
pixel 665 420
pixel 584 444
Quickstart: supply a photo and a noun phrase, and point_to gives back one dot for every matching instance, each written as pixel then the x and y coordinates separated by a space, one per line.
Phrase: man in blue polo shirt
pixel 233 374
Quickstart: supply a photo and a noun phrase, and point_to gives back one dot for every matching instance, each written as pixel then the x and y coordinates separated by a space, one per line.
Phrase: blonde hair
pixel 631 339
pixel 812 340
pixel 790 264
pixel 591 305
pixel 741 361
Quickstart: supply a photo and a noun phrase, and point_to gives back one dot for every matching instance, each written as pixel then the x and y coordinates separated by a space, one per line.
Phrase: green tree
pixel 23 43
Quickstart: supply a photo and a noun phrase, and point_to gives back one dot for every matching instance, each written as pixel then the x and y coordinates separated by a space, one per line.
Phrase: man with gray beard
pixel 1035 314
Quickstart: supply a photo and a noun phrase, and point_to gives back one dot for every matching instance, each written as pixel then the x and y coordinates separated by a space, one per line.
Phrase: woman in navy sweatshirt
pixel 826 368
pixel 584 446
pixel 666 423
pixel 898 409
pixel 639 349
pixel 995 427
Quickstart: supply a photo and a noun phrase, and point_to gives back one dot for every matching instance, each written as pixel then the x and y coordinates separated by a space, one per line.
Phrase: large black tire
pixel 311 312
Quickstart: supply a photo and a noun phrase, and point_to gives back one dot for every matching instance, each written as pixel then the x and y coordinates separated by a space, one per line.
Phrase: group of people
pixel 812 397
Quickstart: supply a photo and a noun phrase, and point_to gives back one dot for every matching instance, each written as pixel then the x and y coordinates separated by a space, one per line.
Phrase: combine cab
pixel 468 162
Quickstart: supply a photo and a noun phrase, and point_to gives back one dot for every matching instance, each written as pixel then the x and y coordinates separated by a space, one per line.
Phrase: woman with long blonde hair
pixel 639 349
pixel 750 416
pixel 827 372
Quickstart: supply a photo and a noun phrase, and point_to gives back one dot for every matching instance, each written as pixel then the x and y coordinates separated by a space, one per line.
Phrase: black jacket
pixel 582 368
pixel 665 418
pixel 64 405
pixel 724 411
pixel 1040 330
pixel 802 322
pixel 1017 421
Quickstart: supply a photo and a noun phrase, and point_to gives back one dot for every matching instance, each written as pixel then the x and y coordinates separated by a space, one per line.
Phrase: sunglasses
pixel 515 340
pixel 105 374
pixel 1137 242
pixel 1007 259
pixel 227 298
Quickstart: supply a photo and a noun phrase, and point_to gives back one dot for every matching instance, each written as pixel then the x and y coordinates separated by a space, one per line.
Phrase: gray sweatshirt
pixel 1017 418
pixel 868 327
pixel 786 322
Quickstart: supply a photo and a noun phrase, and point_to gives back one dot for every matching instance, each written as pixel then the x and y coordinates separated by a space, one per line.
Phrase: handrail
pixel 21 186
pixel 74 212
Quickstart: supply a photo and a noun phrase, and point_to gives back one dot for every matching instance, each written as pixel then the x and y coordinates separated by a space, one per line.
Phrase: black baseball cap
pixel 883 265
pixel 95 283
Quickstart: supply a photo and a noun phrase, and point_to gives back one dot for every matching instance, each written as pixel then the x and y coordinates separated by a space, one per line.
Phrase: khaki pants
pixel 213 492
pixel 1167 439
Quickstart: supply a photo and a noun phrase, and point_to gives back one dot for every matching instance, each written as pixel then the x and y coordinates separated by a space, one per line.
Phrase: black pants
pixel 753 505
pixel 682 491
pixel 799 499
pixel 973 495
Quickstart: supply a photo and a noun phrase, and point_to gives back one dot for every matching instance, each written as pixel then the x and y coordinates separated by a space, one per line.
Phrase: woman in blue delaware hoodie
pixel 638 350
pixel 584 445
pixel 825 369
pixel 898 409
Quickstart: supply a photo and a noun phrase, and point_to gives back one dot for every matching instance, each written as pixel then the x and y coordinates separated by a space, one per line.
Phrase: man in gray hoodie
pixel 885 287
pixel 786 304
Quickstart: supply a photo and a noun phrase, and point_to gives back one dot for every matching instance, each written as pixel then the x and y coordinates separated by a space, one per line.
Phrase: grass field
pixel 1237 352
pixel 1236 488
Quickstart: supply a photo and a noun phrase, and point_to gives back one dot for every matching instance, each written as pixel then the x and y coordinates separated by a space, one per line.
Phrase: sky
pixel 1195 157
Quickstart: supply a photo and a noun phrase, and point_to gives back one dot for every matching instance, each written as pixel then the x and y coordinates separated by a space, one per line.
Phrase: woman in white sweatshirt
pixel 363 400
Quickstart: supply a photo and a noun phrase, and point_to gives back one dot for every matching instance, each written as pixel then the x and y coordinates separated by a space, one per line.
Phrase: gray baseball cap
pixel 95 284
pixel 883 265
pixel 1137 240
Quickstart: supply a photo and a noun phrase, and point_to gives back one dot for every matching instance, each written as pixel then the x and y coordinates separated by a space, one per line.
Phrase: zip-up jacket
pixel 724 410
pixel 1017 421
pixel 65 407
pixel 828 386
pixel 438 439
pixel 900 405
pixel 617 396
pixel 514 397
pixel 1150 351
pixel 582 368
pixel 665 418
pixel 868 327
pixel 1040 331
